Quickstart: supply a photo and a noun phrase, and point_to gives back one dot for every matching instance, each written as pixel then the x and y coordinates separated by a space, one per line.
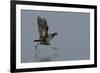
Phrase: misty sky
pixel 72 41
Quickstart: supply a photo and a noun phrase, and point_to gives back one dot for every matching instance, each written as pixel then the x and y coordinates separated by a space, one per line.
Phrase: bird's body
pixel 44 36
pixel 47 40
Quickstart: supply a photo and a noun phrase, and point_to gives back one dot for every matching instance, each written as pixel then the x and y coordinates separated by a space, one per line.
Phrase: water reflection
pixel 46 53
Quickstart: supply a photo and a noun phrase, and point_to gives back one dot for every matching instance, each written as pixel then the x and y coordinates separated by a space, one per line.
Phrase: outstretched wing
pixel 42 27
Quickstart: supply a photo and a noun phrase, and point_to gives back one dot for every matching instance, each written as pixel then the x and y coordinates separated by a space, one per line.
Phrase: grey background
pixel 72 41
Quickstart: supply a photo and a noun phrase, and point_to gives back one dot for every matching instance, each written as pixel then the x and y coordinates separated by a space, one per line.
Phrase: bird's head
pixel 54 34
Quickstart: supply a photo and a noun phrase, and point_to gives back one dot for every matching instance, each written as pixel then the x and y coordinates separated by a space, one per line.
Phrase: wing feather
pixel 42 27
pixel 39 25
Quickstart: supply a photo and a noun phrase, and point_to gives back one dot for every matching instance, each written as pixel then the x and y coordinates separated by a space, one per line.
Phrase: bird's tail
pixel 37 40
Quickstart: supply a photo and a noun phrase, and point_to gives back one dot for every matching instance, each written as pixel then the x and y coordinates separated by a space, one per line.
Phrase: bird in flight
pixel 44 36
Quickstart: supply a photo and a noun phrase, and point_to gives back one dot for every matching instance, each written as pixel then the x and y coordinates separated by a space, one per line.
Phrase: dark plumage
pixel 44 36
